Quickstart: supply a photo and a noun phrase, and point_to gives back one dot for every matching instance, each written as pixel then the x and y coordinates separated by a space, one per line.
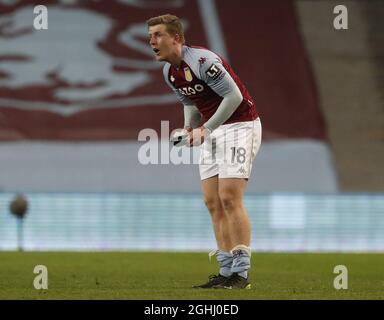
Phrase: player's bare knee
pixel 229 202
pixel 213 205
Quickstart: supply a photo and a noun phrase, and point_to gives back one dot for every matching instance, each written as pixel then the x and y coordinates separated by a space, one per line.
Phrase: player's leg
pixel 208 168
pixel 220 225
pixel 242 141
pixel 231 191
pixel 221 230
pixel 219 219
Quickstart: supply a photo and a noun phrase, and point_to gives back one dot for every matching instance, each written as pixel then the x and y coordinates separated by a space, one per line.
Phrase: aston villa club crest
pixel 188 74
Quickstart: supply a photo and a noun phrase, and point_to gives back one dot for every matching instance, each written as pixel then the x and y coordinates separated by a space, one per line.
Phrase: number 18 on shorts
pixel 230 150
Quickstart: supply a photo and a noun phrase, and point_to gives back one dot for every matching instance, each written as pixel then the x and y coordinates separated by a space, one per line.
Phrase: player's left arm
pixel 219 80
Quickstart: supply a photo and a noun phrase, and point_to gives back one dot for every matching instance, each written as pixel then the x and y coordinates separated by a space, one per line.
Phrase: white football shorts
pixel 229 150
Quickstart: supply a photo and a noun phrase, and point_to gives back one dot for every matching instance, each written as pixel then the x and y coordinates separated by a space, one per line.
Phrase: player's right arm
pixel 192 117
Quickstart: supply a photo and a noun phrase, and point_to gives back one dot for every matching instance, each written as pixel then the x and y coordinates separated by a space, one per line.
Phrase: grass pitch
pixel 158 275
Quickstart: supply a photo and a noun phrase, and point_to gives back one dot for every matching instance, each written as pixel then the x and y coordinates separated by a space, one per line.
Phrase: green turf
pixel 149 275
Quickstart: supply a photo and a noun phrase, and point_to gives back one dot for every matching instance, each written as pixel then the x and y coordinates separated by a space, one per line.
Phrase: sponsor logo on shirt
pixel 188 91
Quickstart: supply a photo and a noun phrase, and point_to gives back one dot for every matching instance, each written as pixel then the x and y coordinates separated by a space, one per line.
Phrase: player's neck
pixel 176 59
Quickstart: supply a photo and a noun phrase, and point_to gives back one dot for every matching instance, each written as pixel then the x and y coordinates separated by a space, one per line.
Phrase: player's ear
pixel 177 37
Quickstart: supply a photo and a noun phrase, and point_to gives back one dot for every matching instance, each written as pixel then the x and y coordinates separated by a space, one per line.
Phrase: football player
pixel 221 116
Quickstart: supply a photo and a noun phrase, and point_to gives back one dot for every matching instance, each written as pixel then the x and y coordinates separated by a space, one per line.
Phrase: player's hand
pixel 180 137
pixel 197 136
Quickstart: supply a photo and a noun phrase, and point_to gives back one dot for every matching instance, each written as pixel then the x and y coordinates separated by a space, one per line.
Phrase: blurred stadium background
pixel 74 98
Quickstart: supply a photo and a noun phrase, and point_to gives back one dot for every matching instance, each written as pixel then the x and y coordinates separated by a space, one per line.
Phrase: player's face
pixel 162 43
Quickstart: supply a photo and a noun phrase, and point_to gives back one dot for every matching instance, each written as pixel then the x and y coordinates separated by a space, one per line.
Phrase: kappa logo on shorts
pixel 241 170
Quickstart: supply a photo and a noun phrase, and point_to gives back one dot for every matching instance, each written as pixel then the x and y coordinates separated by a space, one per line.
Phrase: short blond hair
pixel 172 24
